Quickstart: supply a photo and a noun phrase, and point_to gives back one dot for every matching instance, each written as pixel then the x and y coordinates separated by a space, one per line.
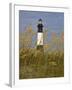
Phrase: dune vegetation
pixel 37 64
pixel 46 63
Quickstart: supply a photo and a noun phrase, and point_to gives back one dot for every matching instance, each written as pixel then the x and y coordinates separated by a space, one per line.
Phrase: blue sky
pixel 53 21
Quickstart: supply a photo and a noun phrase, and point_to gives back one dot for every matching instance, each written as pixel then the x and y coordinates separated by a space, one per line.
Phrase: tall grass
pixel 34 63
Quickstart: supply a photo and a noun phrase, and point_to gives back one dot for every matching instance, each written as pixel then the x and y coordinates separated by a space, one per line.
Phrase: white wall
pixel 4 41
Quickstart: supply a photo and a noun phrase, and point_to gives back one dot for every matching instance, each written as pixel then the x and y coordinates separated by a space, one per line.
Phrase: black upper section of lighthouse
pixel 40 25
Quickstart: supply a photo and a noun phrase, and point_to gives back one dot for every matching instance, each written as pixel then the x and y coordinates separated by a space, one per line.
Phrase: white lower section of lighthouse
pixel 39 38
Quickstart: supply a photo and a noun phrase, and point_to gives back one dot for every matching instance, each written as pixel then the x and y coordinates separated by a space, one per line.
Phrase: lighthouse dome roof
pixel 40 21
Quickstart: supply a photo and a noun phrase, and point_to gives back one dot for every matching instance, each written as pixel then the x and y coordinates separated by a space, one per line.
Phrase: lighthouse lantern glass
pixel 40 21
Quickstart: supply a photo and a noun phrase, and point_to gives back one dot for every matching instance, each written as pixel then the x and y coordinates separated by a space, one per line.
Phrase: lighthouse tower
pixel 40 35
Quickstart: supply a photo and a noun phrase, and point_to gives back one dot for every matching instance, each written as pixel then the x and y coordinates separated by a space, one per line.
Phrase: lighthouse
pixel 40 35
